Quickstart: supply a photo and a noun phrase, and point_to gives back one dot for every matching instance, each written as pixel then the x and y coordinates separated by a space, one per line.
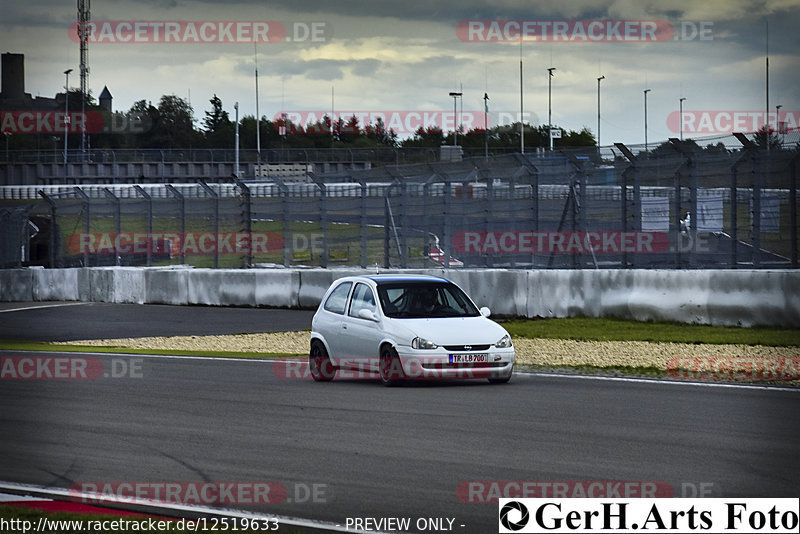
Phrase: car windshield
pixel 415 300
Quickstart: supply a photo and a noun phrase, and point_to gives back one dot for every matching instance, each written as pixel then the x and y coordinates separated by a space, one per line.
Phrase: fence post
pixel 117 221
pixel 247 220
pixel 749 153
pixel 87 226
pixel 363 229
pixel 577 192
pixel 426 194
pixel 488 221
pixel 182 203
pixel 389 225
pixel 631 168
pixel 53 227
pixel 582 179
pixel 323 222
pixel 676 221
pixel 149 199
pixel 288 251
pixel 466 198
pixel 404 226
pixel 793 171
pixel 533 171
pixel 386 223
pixel 215 197
pixel 535 193
pixel 756 212
pixel 446 238
pixel 734 211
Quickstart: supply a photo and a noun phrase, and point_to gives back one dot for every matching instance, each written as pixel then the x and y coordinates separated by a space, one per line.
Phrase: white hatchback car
pixel 406 327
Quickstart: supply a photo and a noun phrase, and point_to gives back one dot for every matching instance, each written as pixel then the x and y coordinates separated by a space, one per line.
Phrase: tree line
pixel 171 123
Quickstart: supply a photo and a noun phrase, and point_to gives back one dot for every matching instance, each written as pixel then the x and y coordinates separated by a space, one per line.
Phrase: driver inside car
pixel 426 301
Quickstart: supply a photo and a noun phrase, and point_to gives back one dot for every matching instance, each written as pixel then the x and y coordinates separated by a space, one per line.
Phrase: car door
pixel 331 321
pixel 363 335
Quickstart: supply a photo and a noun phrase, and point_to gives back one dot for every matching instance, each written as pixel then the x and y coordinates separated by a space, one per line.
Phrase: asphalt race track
pixel 369 451
pixel 58 321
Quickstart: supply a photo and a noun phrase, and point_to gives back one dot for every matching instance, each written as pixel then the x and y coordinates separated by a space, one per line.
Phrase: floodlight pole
pixel 258 116
pixel 66 118
pixel 486 125
pixel 236 151
pixel 598 109
pixel 550 105
pixel 521 108
pixel 680 114
pixel 455 95
pixel 645 118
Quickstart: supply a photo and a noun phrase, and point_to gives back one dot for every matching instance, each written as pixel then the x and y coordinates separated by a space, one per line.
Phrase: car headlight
pixel 422 343
pixel 504 342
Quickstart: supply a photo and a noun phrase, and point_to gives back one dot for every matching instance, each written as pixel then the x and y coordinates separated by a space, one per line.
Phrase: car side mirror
pixel 486 312
pixel 369 315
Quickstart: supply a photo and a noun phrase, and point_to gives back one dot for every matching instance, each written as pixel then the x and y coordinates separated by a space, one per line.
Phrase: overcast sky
pixel 407 55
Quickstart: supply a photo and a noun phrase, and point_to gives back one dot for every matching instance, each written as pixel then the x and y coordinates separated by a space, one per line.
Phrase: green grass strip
pixel 604 329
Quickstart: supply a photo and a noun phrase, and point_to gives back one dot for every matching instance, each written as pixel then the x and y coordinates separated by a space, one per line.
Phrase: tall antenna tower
pixel 83 34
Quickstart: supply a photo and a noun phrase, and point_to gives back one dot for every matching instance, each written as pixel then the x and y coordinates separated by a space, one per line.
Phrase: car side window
pixel 337 300
pixel 362 299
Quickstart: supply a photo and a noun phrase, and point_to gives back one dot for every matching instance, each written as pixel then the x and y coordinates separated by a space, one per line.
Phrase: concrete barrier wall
pixel 718 297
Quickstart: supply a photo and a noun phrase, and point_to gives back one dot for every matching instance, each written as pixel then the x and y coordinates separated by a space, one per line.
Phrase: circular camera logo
pixel 518 507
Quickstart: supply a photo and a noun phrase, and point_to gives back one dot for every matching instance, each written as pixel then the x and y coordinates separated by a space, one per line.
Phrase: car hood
pixel 450 330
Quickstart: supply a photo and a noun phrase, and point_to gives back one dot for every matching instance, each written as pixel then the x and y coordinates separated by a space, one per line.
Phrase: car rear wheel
pixel 319 363
pixel 390 369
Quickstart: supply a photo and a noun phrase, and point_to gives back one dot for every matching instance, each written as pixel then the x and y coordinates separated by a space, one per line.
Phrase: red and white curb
pixel 62 500
pixel 47 505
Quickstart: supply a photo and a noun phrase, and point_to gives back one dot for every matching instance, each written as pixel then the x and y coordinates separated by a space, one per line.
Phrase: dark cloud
pixel 366 67
pixel 168 4
pixel 316 69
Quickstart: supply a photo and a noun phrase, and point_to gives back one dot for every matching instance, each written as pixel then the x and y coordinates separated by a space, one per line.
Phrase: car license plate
pixel 469 358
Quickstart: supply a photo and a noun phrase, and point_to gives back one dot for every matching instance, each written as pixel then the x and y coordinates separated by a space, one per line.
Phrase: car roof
pixel 399 278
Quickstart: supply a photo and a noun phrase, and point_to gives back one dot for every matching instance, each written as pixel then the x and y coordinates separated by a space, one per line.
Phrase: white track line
pixel 44 306
pixel 523 373
pixel 660 381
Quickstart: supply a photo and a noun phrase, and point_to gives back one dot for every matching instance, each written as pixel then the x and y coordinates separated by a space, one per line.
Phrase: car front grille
pixel 465 348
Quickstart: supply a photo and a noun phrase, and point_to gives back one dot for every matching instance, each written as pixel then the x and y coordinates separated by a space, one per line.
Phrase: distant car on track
pixel 406 327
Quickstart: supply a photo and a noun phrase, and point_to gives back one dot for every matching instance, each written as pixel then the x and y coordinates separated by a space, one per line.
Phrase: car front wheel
pixel 319 363
pixel 390 370
pixel 500 379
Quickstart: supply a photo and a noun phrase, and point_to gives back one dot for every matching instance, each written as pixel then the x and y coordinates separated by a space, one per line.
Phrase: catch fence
pixel 679 208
